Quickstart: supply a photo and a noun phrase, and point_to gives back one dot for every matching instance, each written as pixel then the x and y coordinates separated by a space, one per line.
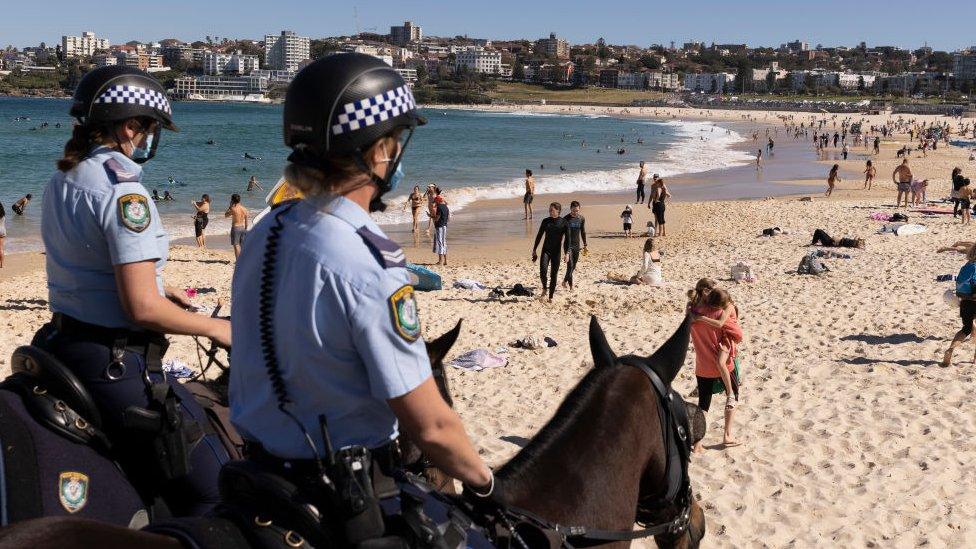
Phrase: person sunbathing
pixel 962 247
pixel 821 237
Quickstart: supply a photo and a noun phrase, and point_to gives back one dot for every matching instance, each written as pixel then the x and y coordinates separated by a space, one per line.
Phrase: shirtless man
pixel 21 205
pixel 529 194
pixel 238 214
pixel 902 177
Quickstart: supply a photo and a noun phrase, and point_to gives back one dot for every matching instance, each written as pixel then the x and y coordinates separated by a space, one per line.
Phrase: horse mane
pixel 575 404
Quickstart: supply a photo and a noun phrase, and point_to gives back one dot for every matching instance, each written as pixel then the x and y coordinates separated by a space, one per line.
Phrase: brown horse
pixel 590 465
pixel 602 452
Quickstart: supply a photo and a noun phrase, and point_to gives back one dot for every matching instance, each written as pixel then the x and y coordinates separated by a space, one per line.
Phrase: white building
pixel 409 75
pixel 232 64
pixel 104 60
pixel 657 80
pixel 82 46
pixel 964 66
pixel 286 51
pixel 709 82
pixel 480 60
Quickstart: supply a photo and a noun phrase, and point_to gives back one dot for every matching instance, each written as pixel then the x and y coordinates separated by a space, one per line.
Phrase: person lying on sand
pixel 821 237
pixel 962 247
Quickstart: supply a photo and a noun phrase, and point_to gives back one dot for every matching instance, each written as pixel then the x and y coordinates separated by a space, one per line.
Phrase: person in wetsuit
pixel 554 229
pixel 575 240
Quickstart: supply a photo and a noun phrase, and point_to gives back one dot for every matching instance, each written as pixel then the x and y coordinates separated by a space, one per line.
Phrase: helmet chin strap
pixel 377 204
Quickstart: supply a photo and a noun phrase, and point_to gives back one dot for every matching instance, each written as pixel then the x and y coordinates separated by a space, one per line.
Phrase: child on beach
pixel 628 216
pixel 832 179
pixel 869 172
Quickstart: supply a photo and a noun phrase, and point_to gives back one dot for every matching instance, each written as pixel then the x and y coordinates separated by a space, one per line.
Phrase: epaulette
pixel 386 251
pixel 118 174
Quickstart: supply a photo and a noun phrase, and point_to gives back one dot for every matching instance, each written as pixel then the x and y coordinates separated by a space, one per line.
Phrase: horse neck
pixel 590 474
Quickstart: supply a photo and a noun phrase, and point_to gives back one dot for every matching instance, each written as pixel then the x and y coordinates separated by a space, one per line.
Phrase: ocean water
pixel 472 155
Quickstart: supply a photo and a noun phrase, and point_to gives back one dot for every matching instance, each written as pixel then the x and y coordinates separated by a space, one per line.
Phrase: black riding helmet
pixel 112 94
pixel 341 104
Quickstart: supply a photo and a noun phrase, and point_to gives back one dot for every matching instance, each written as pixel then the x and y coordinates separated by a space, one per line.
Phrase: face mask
pixel 397 176
pixel 141 155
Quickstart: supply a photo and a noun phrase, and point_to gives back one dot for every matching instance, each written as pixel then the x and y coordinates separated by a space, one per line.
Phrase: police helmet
pixel 341 104
pixel 115 93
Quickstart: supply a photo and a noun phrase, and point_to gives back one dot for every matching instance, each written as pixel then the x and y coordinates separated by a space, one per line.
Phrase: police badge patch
pixel 72 491
pixel 134 212
pixel 406 319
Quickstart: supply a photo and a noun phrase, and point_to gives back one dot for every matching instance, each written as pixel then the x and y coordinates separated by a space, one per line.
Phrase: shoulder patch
pixel 72 490
pixel 134 212
pixel 405 316
pixel 386 251
pixel 119 174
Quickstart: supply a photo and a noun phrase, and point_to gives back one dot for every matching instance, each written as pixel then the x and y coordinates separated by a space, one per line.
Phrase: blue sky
pixel 945 25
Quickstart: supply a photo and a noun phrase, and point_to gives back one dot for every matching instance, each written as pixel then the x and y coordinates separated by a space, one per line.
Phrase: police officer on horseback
pixel 105 250
pixel 328 351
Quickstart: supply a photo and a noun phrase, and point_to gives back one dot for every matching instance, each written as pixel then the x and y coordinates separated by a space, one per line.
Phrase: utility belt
pixel 348 485
pixel 173 434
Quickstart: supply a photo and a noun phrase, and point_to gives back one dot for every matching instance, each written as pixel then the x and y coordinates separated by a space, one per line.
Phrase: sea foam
pixel 697 147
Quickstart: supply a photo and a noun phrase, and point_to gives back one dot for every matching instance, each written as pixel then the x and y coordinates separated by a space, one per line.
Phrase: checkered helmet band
pixel 135 95
pixel 373 110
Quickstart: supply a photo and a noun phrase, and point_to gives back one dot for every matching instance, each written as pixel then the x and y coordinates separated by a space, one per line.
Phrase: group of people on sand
pixel 438 216
pixel 655 201
pixel 236 211
pixel 563 239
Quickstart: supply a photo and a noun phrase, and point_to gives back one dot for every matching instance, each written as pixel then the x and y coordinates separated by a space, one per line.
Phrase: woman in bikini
pixel 415 201
pixel 869 172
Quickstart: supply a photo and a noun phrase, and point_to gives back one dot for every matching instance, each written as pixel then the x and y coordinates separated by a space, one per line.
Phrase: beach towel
pixel 468 284
pixel 479 359
pixel 881 216
pixel 903 229
pixel 423 279
pixel 177 368
pixel 934 211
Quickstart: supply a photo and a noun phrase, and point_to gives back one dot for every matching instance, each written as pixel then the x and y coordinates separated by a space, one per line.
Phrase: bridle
pixel 678 494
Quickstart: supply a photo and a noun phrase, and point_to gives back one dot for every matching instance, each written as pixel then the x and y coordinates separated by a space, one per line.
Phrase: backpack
pixel 742 272
pixel 812 265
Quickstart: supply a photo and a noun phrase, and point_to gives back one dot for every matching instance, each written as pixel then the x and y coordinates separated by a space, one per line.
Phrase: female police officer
pixel 106 248
pixel 325 318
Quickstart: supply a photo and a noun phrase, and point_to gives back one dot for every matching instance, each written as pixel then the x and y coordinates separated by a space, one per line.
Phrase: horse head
pixel 666 362
pixel 436 351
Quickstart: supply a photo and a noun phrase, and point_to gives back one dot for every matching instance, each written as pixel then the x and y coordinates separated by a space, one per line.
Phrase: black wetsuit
pixel 554 230
pixel 575 240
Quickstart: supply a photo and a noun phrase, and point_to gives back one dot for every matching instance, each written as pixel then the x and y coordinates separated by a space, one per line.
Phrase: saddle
pixel 49 373
pixel 54 459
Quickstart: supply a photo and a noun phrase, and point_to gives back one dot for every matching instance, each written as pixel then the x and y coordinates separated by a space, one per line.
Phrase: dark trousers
pixel 192 495
pixel 955 207
pixel 640 193
pixel 549 261
pixel 821 237
pixel 571 264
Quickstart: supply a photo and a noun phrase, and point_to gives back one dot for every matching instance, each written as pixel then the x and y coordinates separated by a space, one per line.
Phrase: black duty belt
pixel 136 341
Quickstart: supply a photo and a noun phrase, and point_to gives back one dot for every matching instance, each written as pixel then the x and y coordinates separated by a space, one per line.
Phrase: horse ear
pixel 438 349
pixel 670 357
pixel 603 355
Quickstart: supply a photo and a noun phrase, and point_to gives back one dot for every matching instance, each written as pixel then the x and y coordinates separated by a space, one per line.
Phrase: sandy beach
pixel 853 435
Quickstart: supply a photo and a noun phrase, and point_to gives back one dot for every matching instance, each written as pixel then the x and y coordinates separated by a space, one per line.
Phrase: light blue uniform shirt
pixel 341 346
pixel 93 217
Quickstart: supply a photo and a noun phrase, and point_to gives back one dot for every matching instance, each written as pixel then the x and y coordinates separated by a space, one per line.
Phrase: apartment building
pixel 286 51
pixel 406 33
pixel 231 64
pixel 710 82
pixel 82 46
pixel 479 60
pixel 553 47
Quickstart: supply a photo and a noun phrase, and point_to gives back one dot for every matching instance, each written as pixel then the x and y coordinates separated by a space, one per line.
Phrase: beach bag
pixel 898 217
pixel 423 279
pixel 742 272
pixel 812 265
